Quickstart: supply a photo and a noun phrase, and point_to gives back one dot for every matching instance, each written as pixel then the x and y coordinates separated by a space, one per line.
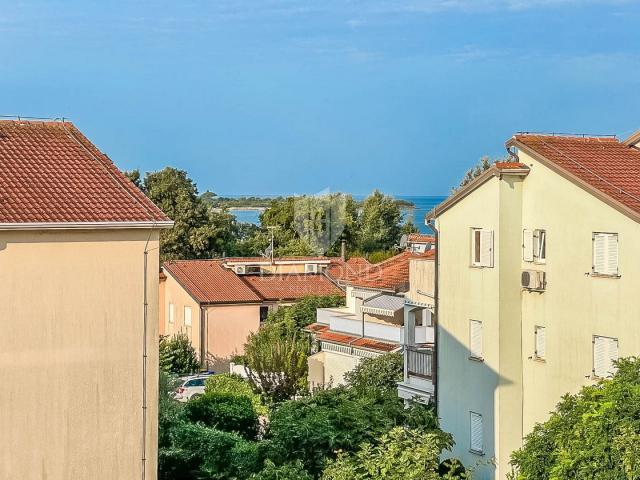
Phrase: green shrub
pixel 303 312
pixel 235 384
pixel 177 355
pixel 224 411
pixel 594 434
pixel 401 454
pixel 288 471
pixel 312 429
pixel 379 373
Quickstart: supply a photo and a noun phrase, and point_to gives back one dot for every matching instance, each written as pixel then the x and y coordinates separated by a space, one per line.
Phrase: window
pixel 605 352
pixel 540 334
pixel 481 247
pixel 605 254
pixel 534 245
pixel 475 433
pixel 172 313
pixel 475 339
pixel 187 316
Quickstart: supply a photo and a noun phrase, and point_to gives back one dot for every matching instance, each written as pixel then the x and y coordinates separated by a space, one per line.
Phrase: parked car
pixel 191 387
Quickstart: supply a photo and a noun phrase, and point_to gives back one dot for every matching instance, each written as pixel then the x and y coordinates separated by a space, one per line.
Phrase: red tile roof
pixel 510 165
pixel 421 238
pixel 291 286
pixel 276 260
pixel 207 281
pixel 51 173
pixel 317 327
pixel 604 163
pixel 341 270
pixel 352 340
pixel 392 274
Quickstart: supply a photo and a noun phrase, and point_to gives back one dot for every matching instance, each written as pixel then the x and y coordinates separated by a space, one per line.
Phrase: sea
pixel 423 204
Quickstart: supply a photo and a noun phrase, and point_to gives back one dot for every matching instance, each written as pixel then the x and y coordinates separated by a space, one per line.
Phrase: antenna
pixel 272 229
pixel 403 241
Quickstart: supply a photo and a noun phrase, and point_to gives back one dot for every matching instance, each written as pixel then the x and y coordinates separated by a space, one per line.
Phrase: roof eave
pixel 612 202
pixel 472 186
pixel 161 224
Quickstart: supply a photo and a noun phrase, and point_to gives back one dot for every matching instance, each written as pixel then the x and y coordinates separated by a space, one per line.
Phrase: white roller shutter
pixel 605 253
pixel 486 248
pixel 541 342
pixel 605 352
pixel 476 434
pixel 475 338
pixel 527 245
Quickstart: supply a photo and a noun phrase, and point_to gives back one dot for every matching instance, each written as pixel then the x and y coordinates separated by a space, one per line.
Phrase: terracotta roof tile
pixel 604 163
pixel 290 286
pixel 51 173
pixel 208 281
pixel 276 260
pixel 352 340
pixel 510 165
pixel 341 270
pixel 392 274
pixel 317 327
pixel 421 238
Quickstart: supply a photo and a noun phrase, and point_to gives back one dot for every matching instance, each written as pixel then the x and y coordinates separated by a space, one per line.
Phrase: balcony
pixel 418 382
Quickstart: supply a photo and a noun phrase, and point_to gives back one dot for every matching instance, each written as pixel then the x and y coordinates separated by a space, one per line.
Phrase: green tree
pixel 235 384
pixel 224 411
pixel 303 312
pixel 594 434
pixel 313 429
pixel 484 164
pixel 380 223
pixel 198 231
pixel 288 471
pixel 381 373
pixel 276 360
pixel 401 454
pixel 177 355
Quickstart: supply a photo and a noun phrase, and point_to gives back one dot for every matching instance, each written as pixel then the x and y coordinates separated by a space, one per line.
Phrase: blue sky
pixel 292 96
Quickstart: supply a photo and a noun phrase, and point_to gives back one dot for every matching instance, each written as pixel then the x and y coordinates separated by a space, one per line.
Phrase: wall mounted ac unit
pixel 533 280
pixel 240 269
pixel 311 268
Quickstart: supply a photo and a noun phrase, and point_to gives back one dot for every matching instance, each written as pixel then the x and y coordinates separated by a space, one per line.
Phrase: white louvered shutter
pixel 475 338
pixel 605 253
pixel 541 342
pixel 527 245
pixel 477 442
pixel 605 352
pixel 486 248
pixel 187 316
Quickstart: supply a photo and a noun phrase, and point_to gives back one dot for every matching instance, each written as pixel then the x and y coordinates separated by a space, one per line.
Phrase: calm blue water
pixel 422 205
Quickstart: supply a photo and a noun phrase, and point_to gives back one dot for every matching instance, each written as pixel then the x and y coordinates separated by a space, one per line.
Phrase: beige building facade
pixel 78 300
pixel 537 282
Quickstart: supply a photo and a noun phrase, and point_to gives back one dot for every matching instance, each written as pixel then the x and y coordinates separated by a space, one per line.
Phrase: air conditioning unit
pixel 240 269
pixel 311 268
pixel 533 280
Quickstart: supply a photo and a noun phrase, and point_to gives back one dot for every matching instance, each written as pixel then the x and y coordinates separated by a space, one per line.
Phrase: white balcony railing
pixel 419 362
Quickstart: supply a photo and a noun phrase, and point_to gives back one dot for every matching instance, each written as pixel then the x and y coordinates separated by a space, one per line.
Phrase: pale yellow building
pixel 79 348
pixel 538 278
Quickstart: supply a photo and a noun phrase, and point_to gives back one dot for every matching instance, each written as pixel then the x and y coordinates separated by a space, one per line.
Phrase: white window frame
pixel 484 240
pixel 540 336
pixel 609 344
pixel 609 249
pixel 172 313
pixel 476 352
pixel 187 309
pixel 474 419
pixel 540 247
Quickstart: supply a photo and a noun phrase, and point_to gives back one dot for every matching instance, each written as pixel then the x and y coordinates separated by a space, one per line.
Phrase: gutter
pixel 84 225
pixel 436 331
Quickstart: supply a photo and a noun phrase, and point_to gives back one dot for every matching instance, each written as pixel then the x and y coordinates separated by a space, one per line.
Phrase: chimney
pixel 343 250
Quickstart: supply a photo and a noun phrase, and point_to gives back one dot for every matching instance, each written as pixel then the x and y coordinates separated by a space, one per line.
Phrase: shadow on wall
pixel 217 364
pixel 467 389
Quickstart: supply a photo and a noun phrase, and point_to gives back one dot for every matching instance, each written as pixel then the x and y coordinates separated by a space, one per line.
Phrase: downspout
pixel 434 318
pixel 203 337
pixel 144 364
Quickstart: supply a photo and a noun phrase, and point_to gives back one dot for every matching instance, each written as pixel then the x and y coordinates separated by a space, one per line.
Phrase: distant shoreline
pixel 257 209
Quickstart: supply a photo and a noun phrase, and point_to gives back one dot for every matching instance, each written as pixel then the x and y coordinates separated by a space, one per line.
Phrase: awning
pixel 385 305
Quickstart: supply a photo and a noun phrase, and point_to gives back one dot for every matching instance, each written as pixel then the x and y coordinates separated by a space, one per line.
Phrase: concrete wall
pixel 178 296
pixel 227 328
pixel 336 365
pixel 71 355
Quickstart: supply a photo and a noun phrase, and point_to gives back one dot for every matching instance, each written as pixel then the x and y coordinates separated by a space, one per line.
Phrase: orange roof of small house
pixel 50 173
pixel 420 238
pixel 291 286
pixel 207 281
pixel 341 270
pixel 391 274
pixel 354 341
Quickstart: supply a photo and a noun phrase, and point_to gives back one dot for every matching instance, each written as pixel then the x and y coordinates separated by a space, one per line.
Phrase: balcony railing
pixel 420 362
